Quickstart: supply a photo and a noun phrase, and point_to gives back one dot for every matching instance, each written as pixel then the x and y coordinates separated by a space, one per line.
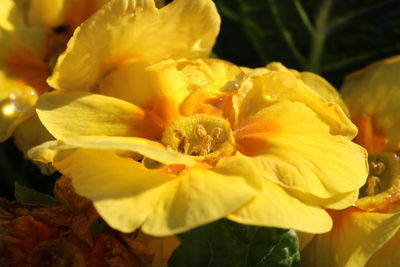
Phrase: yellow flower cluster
pixel 122 97
pixel 368 234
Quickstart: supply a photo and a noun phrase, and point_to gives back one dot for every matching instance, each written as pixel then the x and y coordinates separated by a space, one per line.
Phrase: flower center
pixel 200 135
pixel 382 189
pixel 376 170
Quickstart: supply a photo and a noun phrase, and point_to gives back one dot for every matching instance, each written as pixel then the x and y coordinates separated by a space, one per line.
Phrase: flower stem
pixel 319 37
pixel 285 32
pixel 304 16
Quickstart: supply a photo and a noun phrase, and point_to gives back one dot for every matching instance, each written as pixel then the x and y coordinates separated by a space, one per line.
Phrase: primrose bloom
pixel 257 148
pixel 368 234
pixel 32 35
pixel 109 53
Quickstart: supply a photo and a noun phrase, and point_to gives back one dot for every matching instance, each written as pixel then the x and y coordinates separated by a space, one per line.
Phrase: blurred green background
pixel 329 37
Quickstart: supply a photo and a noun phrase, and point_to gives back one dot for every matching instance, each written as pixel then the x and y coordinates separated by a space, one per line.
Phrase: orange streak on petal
pixel 174 169
pixel 369 136
pixel 341 217
pixel 26 67
pixel 389 205
pixel 223 107
pixel 160 112
pixel 252 137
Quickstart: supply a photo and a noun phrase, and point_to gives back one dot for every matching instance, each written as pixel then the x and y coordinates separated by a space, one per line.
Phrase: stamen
pixel 200 135
pixel 216 134
pixel 207 142
pixel 183 145
pixel 373 186
pixel 376 168
pixel 201 132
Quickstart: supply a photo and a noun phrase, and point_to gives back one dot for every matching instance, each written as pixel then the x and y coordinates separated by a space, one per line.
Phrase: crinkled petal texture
pixel 322 87
pixel 130 33
pixel 170 82
pixel 277 207
pixel 299 140
pixel 162 92
pixel 355 237
pixel 311 80
pixel 128 195
pixel 293 149
pixel 372 95
pixel 267 87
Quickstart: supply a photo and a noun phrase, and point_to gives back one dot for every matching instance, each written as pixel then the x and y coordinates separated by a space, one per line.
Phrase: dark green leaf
pixel 332 38
pixel 225 243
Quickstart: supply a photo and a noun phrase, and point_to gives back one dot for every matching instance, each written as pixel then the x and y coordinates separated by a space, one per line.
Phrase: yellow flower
pixel 199 140
pixel 126 36
pixel 32 34
pixel 368 234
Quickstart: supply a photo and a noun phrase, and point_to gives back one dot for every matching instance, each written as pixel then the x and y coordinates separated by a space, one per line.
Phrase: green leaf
pixel 28 195
pixel 225 243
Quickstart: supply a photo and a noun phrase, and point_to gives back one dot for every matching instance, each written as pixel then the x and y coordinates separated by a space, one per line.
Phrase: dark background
pixel 354 33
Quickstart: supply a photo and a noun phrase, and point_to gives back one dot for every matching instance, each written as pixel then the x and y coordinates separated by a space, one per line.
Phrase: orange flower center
pixel 200 135
pixel 369 135
pixel 381 193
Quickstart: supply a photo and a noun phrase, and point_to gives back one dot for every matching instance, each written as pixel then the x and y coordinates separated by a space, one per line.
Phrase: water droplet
pixel 235 85
pixel 22 100
pixel 8 110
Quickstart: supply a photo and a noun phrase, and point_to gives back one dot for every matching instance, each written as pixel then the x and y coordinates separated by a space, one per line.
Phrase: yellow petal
pixel 297 149
pixel 177 78
pixel 31 133
pixel 48 151
pixel 354 238
pixel 123 191
pixel 128 195
pixel 131 32
pixel 74 114
pixel 311 80
pixel 22 48
pixel 268 88
pixel 323 88
pixel 275 207
pixel 372 96
pixel 202 195
pixel 388 255
pixel 16 34
pixel 336 202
